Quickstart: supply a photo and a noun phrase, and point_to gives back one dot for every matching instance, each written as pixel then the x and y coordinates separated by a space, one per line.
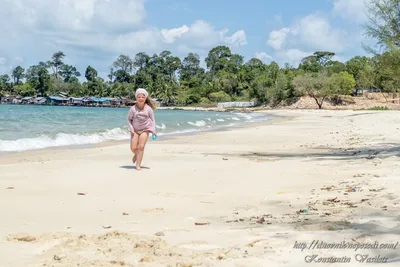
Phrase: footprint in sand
pixel 155 210
pixel 174 195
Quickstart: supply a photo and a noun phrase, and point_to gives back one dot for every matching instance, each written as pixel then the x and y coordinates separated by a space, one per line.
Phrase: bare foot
pixel 134 159
pixel 138 168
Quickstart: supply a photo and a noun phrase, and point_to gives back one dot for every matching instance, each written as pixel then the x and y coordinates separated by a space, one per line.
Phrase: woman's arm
pixel 130 118
pixel 151 116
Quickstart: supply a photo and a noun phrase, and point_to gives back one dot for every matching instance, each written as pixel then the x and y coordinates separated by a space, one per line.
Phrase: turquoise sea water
pixel 28 127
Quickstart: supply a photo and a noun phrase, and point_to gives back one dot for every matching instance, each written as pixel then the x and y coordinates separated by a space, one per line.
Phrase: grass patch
pixel 378 108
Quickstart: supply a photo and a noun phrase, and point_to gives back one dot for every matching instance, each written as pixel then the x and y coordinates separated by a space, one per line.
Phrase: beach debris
pixel 125 213
pixel 253 243
pixel 351 188
pixel 10 187
pixel 221 257
pixel 24 238
pixel 58 257
pixel 328 188
pixel 122 263
pixel 260 220
pixel 350 204
pixel 335 200
pixel 201 223
pixel 146 259
pixel 159 233
pixel 225 158
pixel 81 193
pixel 106 227
pixel 376 190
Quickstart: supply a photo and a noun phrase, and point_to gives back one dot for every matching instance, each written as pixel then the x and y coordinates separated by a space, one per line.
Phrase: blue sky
pixel 95 32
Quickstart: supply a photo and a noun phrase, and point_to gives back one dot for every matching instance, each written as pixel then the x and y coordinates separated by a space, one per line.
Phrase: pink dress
pixel 141 120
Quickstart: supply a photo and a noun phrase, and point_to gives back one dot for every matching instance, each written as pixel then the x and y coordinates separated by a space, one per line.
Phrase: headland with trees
pixel 227 76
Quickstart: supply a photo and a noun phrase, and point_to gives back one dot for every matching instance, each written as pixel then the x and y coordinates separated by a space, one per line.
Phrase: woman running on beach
pixel 141 122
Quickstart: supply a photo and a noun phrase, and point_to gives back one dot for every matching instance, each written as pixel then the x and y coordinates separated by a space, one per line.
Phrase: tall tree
pixel 56 62
pixel 69 72
pixel 39 78
pixel 383 23
pixel 18 74
pixel 218 58
pixel 90 74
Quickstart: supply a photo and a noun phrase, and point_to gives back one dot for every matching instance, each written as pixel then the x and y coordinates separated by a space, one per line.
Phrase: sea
pixel 32 127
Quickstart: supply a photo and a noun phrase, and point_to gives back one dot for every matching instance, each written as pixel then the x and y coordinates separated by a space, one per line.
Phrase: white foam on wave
pixel 62 139
pixel 198 123
pixel 116 134
pixel 162 126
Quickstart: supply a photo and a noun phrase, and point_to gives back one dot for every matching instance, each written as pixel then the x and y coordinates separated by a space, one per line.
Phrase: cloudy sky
pixel 95 32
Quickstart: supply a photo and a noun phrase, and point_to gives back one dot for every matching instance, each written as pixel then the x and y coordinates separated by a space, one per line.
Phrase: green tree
pixel 18 74
pixel 344 82
pixel 24 90
pixel 383 23
pixel 39 78
pixel 56 63
pixel 319 86
pixel 69 73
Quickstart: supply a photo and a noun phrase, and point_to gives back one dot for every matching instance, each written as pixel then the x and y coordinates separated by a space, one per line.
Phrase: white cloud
pixel 78 15
pixel 263 56
pixel 170 35
pixel 292 56
pixel 307 35
pixel 313 32
pixel 236 39
pixel 350 9
pixel 4 66
pixel 198 36
pixel 277 38
pixel 96 31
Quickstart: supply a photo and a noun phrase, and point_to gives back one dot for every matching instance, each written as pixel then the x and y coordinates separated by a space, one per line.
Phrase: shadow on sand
pixel 131 167
pixel 324 153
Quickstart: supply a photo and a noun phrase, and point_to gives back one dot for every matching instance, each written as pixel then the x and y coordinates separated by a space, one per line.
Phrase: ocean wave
pixel 198 123
pixel 62 139
pixel 119 134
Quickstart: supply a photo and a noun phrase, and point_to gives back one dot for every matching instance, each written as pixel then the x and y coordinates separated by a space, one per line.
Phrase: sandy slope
pixel 248 185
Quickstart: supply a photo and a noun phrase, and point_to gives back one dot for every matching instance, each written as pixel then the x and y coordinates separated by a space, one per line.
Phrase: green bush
pixel 219 96
pixel 205 100
pixel 379 108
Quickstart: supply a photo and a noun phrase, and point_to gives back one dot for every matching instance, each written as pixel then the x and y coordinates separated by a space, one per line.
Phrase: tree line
pixel 227 76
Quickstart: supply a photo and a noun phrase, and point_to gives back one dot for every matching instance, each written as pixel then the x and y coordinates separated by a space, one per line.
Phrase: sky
pixel 96 32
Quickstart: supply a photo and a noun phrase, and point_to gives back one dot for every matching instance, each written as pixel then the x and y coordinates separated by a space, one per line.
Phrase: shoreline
pixel 111 143
pixel 267 117
pixel 241 197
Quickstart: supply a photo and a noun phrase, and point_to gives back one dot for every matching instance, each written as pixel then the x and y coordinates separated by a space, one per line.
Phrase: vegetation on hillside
pixel 227 77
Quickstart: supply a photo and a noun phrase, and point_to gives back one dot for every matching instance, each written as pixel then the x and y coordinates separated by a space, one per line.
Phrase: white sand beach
pixel 245 197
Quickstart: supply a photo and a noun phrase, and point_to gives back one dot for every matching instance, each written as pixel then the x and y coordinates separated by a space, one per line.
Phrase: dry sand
pixel 230 198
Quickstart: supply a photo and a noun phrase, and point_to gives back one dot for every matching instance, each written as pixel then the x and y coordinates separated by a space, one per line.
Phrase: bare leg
pixel 140 149
pixel 134 145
